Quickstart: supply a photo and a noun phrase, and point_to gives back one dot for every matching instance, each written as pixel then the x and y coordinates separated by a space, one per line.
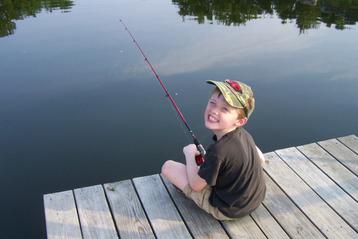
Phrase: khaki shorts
pixel 202 200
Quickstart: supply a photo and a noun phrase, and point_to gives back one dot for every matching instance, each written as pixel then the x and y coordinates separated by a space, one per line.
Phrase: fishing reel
pixel 199 159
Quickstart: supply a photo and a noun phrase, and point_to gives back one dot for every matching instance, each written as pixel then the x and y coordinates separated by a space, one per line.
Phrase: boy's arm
pixel 262 157
pixel 195 181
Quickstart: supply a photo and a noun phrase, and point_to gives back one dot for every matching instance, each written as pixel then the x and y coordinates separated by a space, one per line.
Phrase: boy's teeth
pixel 211 118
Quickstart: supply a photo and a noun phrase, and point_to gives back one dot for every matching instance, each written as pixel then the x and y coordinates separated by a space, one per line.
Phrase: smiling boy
pixel 229 184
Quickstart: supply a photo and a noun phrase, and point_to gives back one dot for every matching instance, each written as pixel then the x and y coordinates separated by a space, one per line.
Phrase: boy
pixel 229 184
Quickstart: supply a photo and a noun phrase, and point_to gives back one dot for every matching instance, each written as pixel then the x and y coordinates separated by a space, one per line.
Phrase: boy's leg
pixel 176 173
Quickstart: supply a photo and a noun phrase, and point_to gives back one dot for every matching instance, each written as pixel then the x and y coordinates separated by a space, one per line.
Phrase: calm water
pixel 78 105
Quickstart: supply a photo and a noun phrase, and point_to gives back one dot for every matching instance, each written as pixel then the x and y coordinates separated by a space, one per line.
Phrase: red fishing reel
pixel 199 159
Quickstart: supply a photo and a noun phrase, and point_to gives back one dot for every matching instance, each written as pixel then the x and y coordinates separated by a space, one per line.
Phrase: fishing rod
pixel 199 158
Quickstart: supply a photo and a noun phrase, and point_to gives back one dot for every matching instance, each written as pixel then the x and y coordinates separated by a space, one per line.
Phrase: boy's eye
pixel 225 109
pixel 212 102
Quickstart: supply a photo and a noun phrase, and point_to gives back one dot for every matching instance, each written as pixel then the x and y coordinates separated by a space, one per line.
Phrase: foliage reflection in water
pixel 306 13
pixel 69 71
pixel 11 10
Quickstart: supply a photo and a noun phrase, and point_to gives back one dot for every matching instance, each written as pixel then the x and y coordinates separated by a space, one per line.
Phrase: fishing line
pixel 181 125
pixel 199 158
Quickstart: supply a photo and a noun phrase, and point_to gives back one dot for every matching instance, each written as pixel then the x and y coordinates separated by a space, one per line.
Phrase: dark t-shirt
pixel 233 168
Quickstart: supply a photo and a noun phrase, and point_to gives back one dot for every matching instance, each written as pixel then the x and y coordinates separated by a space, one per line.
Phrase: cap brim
pixel 226 92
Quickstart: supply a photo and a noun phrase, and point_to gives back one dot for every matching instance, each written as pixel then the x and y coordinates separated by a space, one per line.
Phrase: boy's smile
pixel 220 117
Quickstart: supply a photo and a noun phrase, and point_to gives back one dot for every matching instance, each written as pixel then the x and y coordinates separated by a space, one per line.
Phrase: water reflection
pixel 11 10
pixel 307 14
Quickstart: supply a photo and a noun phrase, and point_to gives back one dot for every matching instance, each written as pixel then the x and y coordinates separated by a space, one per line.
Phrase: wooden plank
pixel 329 223
pixel 334 169
pixel 164 217
pixel 351 141
pixel 127 211
pixel 95 217
pixel 244 227
pixel 293 221
pixel 200 223
pixel 341 153
pixel 268 224
pixel 61 216
pixel 328 190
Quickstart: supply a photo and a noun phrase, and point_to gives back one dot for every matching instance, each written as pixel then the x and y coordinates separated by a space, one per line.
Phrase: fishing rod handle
pixel 199 159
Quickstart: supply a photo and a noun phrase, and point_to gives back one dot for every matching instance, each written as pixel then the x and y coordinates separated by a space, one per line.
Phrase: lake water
pixel 79 106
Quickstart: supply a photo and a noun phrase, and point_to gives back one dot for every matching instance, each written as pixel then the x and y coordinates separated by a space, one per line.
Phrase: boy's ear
pixel 241 122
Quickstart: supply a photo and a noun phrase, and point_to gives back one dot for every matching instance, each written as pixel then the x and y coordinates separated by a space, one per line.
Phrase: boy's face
pixel 220 117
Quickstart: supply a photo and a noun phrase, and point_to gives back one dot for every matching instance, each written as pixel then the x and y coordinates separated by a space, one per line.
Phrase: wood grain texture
pixel 95 217
pixel 351 141
pixel 328 221
pixel 312 192
pixel 127 211
pixel 343 154
pixel 268 224
pixel 244 227
pixel 200 223
pixel 326 188
pixel 162 213
pixel 61 216
pixel 292 220
pixel 334 169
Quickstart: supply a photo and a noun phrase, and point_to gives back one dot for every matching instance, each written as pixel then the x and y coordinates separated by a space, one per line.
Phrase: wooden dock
pixel 312 192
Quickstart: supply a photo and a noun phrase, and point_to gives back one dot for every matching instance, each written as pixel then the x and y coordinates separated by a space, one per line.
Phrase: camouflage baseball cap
pixel 236 94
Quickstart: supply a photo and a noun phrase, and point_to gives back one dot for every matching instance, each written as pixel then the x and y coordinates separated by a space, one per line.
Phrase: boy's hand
pixel 195 181
pixel 190 151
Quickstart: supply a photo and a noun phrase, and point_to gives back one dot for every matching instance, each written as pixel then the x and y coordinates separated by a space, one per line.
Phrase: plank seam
pixel 263 204
pixel 338 159
pixel 145 212
pixel 176 206
pixel 328 204
pixel 258 226
pixel 347 145
pixel 110 211
pixel 78 216
pixel 299 208
pixel 222 225
pixel 325 172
